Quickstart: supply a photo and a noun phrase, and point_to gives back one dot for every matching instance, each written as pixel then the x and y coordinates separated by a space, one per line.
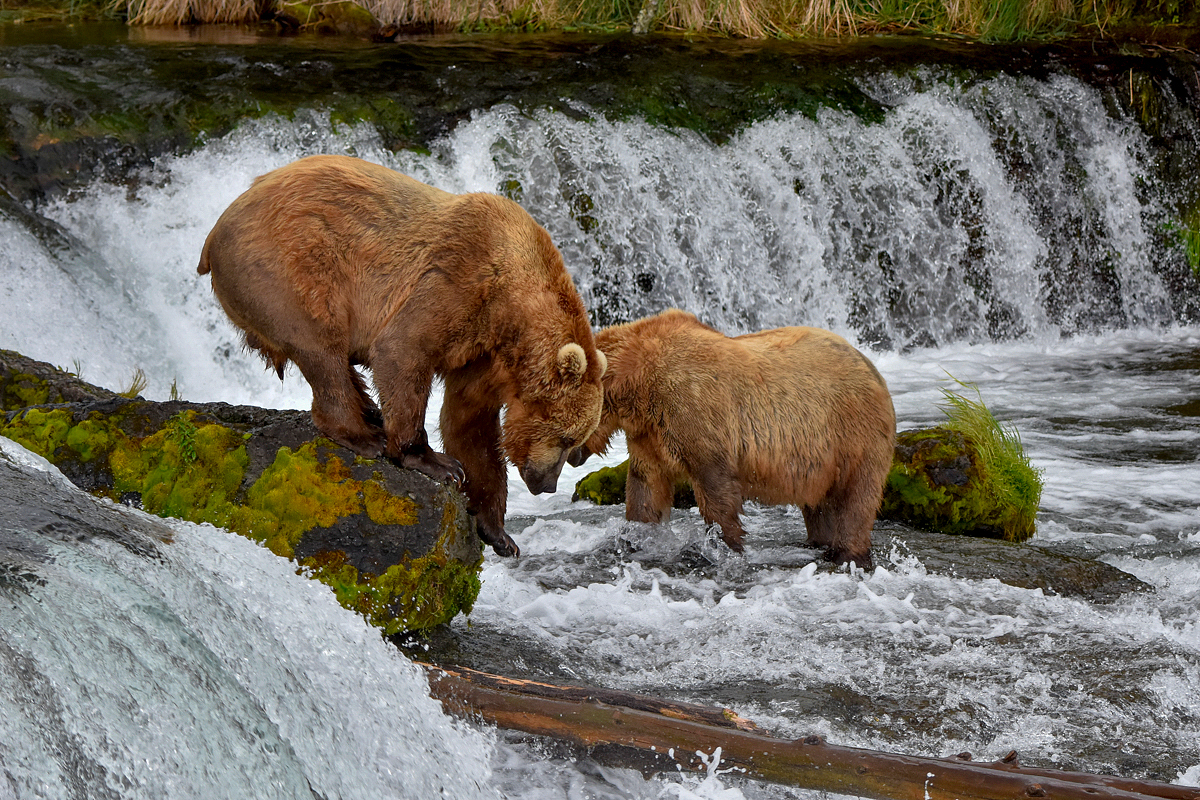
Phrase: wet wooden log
pixel 688 735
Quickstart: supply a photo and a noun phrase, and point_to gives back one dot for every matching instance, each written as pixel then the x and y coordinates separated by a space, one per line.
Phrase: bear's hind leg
pixel 842 527
pixel 341 406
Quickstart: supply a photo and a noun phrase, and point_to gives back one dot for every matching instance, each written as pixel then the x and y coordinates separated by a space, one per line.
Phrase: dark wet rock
pixel 1024 565
pixel 25 382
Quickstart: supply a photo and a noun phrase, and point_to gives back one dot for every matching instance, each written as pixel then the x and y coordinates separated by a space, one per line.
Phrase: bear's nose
pixel 539 481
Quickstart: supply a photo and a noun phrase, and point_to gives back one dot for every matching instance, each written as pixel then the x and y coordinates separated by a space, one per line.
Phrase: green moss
pixel 393 121
pixel 1186 233
pixel 24 390
pixel 91 439
pixel 415 595
pixel 969 476
pixel 605 486
pixel 194 470
pixel 43 432
pixel 194 478
pixel 298 492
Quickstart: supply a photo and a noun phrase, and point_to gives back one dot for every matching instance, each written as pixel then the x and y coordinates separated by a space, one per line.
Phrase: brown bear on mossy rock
pixel 332 262
pixel 791 415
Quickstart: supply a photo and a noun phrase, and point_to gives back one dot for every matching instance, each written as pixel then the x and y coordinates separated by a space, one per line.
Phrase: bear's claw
pixel 440 467
pixel 501 542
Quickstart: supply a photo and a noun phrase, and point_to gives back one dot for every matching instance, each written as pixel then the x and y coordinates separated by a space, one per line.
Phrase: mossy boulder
pixel 336 18
pixel 940 482
pixel 606 487
pixel 394 545
pixel 969 475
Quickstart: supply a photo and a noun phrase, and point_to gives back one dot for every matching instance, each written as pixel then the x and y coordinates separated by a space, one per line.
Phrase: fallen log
pixel 687 735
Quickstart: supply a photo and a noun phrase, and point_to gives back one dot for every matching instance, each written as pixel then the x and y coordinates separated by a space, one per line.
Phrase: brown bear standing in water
pixel 791 415
pixel 331 262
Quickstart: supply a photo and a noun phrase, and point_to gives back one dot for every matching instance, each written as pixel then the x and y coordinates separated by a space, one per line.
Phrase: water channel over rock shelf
pixel 1012 217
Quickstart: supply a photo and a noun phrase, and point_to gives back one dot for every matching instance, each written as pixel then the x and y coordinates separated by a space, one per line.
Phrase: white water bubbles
pixel 192 662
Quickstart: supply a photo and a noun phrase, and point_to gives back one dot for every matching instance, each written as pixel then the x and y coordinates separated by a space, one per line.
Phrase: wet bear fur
pixel 792 415
pixel 332 262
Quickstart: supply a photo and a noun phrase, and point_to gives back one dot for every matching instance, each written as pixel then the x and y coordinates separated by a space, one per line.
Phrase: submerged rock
pixel 1023 565
pixel 393 544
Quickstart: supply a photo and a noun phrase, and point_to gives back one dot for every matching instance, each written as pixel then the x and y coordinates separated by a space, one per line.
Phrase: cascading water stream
pixel 1006 229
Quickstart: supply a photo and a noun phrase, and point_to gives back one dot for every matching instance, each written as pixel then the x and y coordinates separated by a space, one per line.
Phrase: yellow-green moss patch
pixel 605 486
pixel 43 432
pixel 24 390
pixel 192 468
pixel 415 595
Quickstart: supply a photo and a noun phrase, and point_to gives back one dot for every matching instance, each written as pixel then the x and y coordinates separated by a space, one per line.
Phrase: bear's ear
pixel 603 360
pixel 572 362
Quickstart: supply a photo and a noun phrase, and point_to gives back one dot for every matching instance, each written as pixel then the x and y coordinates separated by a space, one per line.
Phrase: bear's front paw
pixel 440 467
pixel 500 541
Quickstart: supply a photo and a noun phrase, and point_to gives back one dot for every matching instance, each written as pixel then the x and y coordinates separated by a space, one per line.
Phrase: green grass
pixel 1016 484
pixel 1189 236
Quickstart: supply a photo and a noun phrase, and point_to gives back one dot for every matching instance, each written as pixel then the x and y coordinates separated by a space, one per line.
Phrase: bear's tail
pixel 203 267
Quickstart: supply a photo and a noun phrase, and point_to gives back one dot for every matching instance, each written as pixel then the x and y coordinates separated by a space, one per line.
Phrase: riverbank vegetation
pixel 1166 21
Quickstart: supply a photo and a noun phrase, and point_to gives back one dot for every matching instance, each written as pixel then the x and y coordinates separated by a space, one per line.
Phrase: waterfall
pixel 1012 228
pixel 968 210
pixel 147 659
pixel 989 211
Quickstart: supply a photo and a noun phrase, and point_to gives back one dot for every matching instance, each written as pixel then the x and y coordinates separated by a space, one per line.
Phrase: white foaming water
pixel 206 668
pixel 795 221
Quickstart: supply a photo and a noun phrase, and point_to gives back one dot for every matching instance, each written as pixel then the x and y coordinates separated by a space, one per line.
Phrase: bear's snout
pixel 540 478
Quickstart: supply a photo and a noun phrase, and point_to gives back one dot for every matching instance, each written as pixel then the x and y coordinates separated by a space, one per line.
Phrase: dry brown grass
pixel 466 13
pixel 988 19
pixel 178 12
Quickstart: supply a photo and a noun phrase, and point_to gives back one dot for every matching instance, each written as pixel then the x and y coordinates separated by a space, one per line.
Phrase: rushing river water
pixel 1003 228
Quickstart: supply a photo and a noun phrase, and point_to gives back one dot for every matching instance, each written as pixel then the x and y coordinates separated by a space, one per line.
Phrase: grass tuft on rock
pixel 1016 484
pixel 968 476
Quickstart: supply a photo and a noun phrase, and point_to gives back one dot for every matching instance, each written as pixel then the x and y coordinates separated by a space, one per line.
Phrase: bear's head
pixel 544 425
